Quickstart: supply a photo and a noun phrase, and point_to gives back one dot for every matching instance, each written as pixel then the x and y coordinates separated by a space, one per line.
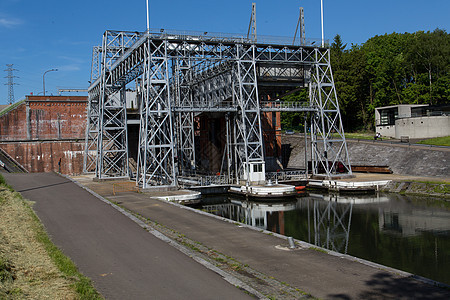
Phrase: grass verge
pixel 440 141
pixel 31 266
pixel 359 135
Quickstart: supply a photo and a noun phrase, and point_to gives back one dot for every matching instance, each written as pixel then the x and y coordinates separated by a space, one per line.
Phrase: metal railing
pixel 286 175
pixel 214 180
pixel 234 38
pixel 206 180
pixel 286 106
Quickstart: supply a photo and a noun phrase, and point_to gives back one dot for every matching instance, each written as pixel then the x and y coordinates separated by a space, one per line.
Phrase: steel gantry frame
pixel 106 151
pixel 182 75
pixel 329 148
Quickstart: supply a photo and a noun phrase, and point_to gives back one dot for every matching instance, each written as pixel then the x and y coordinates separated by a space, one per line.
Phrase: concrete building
pixel 45 133
pixel 414 121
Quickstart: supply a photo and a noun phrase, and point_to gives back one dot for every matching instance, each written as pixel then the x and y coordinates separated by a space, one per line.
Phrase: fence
pixel 286 175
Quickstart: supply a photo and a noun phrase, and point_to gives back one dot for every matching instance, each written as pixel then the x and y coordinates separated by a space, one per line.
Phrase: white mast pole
pixel 148 19
pixel 321 20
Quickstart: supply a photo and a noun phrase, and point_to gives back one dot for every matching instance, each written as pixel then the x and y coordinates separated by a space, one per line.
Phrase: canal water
pixel 407 233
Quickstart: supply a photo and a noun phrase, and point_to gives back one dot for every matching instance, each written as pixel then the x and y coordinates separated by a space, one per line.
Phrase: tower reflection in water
pixel 328 216
pixel 408 233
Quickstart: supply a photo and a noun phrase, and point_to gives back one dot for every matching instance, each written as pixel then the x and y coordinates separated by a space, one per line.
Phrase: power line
pixel 11 82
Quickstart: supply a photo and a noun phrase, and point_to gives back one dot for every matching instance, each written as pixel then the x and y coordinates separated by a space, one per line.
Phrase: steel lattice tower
pixel 183 75
pixel 10 83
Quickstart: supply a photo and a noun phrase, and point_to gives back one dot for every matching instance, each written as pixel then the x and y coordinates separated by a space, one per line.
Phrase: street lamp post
pixel 43 78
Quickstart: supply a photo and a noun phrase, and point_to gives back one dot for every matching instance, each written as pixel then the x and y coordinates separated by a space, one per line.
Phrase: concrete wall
pixel 386 131
pixel 402 159
pixel 423 127
pixel 404 111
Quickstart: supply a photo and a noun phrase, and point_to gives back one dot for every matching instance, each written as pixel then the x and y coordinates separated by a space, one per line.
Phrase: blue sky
pixel 40 35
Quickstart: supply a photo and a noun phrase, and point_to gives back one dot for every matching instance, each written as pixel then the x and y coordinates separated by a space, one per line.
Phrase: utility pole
pixel 10 83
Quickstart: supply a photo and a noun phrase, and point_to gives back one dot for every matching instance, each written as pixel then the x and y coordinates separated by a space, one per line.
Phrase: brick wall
pixel 13 125
pixel 45 156
pixel 45 118
pixel 41 131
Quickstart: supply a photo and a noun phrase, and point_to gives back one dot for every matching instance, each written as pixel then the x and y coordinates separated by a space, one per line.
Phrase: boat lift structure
pixel 180 75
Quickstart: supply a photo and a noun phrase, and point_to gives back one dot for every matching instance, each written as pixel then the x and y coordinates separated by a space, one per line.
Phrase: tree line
pixel 408 68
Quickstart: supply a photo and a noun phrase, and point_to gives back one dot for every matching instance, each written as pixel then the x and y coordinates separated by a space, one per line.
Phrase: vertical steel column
pixel 112 144
pixel 156 151
pixel 185 120
pixel 249 141
pixel 106 133
pixel 329 148
pixel 96 63
pixel 252 25
pixel 92 112
pixel 91 137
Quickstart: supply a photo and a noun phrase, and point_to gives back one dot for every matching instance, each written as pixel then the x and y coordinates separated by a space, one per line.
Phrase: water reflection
pixel 263 215
pixel 407 233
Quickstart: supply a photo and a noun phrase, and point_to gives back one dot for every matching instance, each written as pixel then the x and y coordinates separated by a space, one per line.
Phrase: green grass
pixel 6 271
pixel 359 135
pixel 318 250
pixel 440 141
pixel 442 189
pixel 11 107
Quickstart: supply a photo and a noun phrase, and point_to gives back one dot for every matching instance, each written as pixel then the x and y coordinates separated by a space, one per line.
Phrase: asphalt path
pixel 123 260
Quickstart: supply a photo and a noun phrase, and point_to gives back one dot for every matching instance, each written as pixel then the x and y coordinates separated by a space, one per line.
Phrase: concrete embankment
pixel 402 159
pixel 408 187
pixel 417 169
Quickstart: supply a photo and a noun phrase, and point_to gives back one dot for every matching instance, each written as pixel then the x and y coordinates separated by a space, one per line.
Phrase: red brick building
pixel 45 133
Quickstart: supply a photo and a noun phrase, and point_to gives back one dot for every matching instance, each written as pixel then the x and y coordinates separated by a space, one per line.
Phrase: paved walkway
pixel 123 260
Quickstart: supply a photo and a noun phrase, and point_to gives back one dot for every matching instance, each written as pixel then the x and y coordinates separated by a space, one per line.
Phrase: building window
pixel 388 116
pixel 257 168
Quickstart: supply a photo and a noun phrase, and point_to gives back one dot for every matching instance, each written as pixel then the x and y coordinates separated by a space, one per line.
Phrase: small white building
pixel 415 121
